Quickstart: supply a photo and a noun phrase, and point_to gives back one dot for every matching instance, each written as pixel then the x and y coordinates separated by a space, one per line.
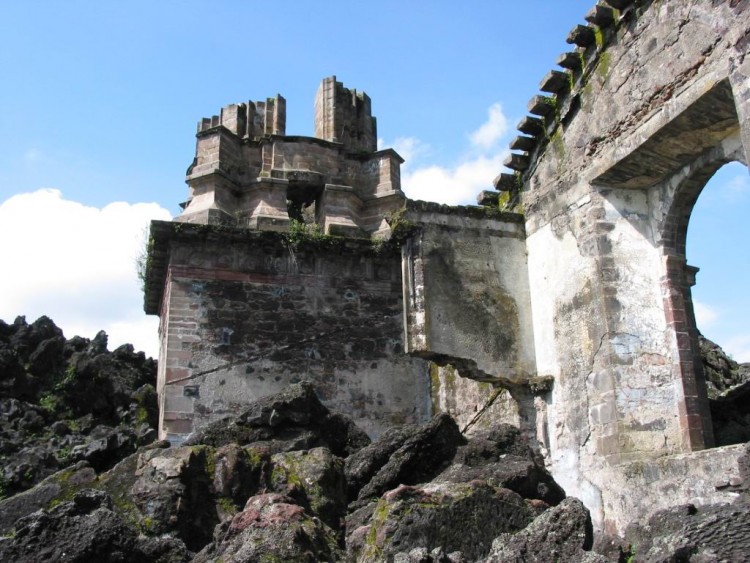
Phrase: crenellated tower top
pixel 248 172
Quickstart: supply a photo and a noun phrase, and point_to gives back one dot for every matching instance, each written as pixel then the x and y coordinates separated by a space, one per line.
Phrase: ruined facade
pixel 572 319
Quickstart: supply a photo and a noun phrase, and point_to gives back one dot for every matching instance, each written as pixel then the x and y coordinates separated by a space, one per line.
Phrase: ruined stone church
pixel 561 303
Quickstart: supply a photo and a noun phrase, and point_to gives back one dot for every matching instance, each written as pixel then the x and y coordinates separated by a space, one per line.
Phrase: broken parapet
pixel 482 322
pixel 344 116
pixel 251 119
pixel 248 173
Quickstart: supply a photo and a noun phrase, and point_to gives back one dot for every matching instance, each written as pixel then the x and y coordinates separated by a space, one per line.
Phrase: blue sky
pixel 101 99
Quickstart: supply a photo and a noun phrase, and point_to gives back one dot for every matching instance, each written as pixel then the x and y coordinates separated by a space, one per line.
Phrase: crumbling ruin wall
pixel 467 309
pixel 654 101
pixel 245 314
pixel 466 291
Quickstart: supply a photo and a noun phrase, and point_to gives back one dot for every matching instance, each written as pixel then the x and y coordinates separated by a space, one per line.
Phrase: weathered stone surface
pixel 417 459
pixel 290 420
pixel 562 533
pixel 715 532
pixel 266 325
pixel 489 310
pixel 173 492
pixel 315 479
pixel 502 456
pixel 425 517
pixel 40 496
pixel 85 529
pixel 659 105
pixel 272 528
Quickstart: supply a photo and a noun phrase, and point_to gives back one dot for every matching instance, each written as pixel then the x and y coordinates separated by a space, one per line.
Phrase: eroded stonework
pixel 567 311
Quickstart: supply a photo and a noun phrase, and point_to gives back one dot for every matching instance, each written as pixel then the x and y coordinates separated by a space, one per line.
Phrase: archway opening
pixel 717 245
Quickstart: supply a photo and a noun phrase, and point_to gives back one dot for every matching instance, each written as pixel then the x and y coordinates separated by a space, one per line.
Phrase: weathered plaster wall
pixel 249 313
pixel 474 405
pixel 665 99
pixel 466 291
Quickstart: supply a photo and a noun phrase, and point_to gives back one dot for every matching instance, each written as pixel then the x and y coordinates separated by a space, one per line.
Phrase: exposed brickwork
pixel 246 316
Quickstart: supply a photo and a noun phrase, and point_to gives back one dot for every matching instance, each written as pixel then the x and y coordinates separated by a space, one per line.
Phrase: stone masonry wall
pixel 466 291
pixel 661 99
pixel 249 313
pixel 474 405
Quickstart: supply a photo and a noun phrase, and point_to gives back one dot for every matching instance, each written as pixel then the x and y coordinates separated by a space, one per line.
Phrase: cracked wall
pixel 607 201
pixel 466 292
pixel 245 314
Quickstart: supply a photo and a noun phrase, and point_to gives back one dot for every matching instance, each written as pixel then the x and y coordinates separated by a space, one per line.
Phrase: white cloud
pixel 76 264
pixel 490 132
pixel 460 183
pixel 705 316
pixel 411 149
pixel 454 186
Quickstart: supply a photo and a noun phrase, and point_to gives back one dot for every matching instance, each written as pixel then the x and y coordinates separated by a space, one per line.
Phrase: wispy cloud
pixel 411 149
pixel 460 182
pixel 491 131
pixel 76 264
pixel 737 188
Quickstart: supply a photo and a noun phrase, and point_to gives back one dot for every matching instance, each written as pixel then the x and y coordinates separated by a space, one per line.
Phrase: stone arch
pixel 673 166
pixel 655 98
pixel 679 197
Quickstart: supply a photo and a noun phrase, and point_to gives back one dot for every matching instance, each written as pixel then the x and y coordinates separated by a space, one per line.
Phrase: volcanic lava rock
pixel 293 419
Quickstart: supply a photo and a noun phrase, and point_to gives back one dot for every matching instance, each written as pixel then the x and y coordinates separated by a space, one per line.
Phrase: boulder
pixel 455 517
pixel 54 392
pixel 425 451
pixel 293 419
pixel 84 529
pixel 54 487
pixel 272 527
pixel 715 532
pixel 562 533
pixel 502 456
pixel 173 493
pixel 315 480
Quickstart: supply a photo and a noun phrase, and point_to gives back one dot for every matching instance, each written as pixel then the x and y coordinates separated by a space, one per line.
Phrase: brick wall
pixel 248 313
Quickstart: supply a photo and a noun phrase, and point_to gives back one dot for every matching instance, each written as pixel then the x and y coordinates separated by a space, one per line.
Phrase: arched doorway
pixel 716 244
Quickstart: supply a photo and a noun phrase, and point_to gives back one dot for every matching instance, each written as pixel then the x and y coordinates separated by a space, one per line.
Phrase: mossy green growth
pixel 401 227
pixel 435 387
pixel 301 232
pixel 603 64
pixel 49 402
pixel 141 414
pixel 143 258
pixel 373 551
pixel 117 482
pixel 227 505
pixel 503 201
pixel 558 145
pixel 598 37
pixel 146 525
pixel 67 489
pixel 208 454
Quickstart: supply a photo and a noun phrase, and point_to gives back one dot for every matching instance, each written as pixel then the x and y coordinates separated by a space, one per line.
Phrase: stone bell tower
pixel 247 308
